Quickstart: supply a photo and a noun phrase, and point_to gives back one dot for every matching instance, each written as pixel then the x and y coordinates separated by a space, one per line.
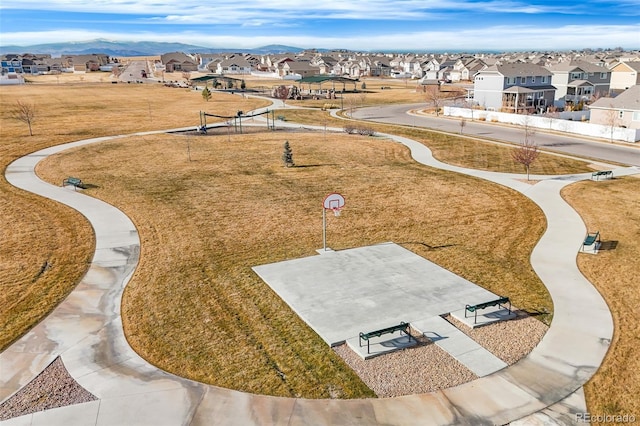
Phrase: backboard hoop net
pixel 333 201
pixel 336 211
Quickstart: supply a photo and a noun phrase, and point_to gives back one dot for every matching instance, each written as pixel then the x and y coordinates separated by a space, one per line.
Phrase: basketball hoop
pixel 334 202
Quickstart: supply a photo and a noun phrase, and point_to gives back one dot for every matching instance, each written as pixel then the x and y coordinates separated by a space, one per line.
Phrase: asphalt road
pixel 621 153
pixel 133 73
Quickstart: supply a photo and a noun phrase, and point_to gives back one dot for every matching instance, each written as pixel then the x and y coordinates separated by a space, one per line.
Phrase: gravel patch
pixel 508 340
pixel 52 388
pixel 419 369
pixel 426 368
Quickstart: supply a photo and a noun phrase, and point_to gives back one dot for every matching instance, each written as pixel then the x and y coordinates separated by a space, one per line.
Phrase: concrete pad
pixel 342 293
pixel 485 316
pixel 381 345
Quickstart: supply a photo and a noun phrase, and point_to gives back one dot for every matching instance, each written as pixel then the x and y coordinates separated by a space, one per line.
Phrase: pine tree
pixel 287 155
pixel 206 94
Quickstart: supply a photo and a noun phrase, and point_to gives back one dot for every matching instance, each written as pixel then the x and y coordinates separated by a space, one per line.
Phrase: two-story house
pixel 621 111
pixel 514 87
pixel 579 81
pixel 236 64
pixel 624 75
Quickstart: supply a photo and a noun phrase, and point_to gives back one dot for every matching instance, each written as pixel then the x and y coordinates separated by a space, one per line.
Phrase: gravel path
pixel 52 388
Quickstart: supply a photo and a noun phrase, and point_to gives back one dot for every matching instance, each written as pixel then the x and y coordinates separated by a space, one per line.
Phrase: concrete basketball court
pixel 342 293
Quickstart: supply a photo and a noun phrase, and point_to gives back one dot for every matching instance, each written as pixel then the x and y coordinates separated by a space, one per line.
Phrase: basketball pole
pixel 324 228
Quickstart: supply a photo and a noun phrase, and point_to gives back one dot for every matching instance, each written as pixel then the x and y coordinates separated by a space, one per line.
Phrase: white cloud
pixel 231 11
pixel 490 38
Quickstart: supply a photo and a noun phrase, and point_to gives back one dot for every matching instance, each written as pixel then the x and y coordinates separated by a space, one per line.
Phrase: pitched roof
pixel 519 70
pixel 628 100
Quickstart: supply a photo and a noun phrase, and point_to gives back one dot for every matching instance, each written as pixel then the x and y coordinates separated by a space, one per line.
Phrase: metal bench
pixel 403 327
pixel 475 308
pixel 77 183
pixel 605 173
pixel 591 238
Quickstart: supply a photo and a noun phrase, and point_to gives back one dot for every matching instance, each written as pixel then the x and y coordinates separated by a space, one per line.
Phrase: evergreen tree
pixel 206 94
pixel 287 155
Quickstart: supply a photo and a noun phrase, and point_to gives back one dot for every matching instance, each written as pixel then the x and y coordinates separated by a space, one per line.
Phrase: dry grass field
pixel 194 306
pixel 46 246
pixel 612 207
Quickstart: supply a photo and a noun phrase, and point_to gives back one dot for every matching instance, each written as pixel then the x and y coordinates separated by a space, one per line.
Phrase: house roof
pixel 578 83
pixel 519 70
pixel 518 89
pixel 627 100
pixel 634 65
pixel 569 66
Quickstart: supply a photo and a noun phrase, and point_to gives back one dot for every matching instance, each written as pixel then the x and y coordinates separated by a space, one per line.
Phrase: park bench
pixel 77 183
pixel 282 118
pixel 604 173
pixel 475 308
pixel 403 327
pixel 591 238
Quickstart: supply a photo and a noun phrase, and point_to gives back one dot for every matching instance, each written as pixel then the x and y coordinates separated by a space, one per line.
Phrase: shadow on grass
pixel 429 247
pixel 312 165
pixel 608 245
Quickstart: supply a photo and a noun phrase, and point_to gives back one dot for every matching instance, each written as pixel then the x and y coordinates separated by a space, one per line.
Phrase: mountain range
pixel 134 48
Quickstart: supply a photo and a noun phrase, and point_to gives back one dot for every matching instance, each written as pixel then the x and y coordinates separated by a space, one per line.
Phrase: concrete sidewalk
pixel 86 331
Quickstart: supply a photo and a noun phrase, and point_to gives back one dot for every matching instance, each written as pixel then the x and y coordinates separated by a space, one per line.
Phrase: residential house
pixel 514 87
pixel 621 111
pixel 301 68
pixel 236 64
pixel 579 81
pixel 624 75
pixel 179 62
pixel 11 64
pixel 84 63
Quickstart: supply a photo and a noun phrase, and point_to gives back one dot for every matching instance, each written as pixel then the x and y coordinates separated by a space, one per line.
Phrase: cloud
pixel 231 11
pixel 504 38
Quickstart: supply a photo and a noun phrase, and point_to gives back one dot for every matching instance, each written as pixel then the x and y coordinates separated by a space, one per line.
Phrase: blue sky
pixel 368 25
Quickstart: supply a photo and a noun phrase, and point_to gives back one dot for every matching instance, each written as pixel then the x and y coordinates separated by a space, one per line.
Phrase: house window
pixel 621 114
pixel 511 80
pixel 523 80
pixel 603 75
pixel 636 116
pixel 576 75
pixel 533 79
pixel 543 79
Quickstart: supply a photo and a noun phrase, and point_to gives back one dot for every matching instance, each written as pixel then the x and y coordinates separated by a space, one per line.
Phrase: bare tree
pixel 463 122
pixel 528 152
pixel 612 120
pixel 434 96
pixel 24 112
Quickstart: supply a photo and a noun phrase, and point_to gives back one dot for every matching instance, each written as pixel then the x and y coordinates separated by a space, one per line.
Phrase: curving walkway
pixel 86 331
